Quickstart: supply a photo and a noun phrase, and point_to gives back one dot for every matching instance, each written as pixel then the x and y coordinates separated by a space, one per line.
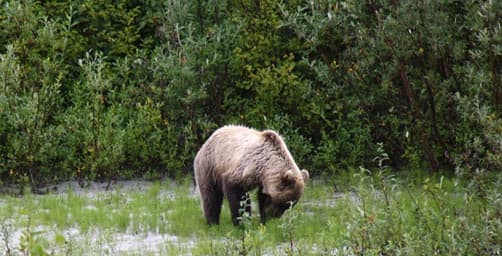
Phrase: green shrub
pixel 29 144
pixel 402 64
pixel 101 91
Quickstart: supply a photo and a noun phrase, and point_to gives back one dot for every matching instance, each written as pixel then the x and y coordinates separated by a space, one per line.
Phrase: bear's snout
pixel 271 210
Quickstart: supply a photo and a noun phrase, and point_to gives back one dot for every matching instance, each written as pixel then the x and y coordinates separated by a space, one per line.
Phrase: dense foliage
pixel 116 89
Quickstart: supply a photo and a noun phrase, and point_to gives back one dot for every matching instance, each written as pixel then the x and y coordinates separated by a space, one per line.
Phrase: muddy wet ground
pixel 102 242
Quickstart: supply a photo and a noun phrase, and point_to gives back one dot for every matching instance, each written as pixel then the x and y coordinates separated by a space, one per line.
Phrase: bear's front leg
pixel 237 199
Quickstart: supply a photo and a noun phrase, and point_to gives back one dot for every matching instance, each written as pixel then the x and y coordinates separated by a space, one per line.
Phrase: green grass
pixel 377 214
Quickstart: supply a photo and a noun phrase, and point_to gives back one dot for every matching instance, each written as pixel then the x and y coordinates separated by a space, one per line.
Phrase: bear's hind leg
pixel 263 204
pixel 237 200
pixel 211 202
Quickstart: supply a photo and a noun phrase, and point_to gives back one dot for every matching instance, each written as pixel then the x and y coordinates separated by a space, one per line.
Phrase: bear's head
pixel 282 192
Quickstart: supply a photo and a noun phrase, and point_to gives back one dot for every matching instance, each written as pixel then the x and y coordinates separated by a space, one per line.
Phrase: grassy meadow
pixel 358 214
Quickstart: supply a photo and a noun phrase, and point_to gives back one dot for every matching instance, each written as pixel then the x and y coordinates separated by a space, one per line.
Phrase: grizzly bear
pixel 237 159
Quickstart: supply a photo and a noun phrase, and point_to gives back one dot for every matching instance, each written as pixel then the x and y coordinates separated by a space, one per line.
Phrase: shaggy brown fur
pixel 237 159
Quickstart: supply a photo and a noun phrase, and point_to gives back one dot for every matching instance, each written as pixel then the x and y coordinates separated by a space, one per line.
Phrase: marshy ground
pixel 367 214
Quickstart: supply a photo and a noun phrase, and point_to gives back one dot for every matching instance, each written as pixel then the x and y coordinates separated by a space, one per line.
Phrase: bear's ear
pixel 289 175
pixel 271 136
pixel 305 175
pixel 288 178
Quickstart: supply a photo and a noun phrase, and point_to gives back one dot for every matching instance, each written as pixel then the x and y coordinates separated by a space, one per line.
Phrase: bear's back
pixel 229 145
